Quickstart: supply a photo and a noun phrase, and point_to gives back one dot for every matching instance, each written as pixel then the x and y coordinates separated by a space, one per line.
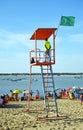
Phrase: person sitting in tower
pixel 32 60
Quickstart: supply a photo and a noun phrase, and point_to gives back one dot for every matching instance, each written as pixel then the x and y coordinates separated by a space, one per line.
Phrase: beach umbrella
pixel 17 91
pixel 69 89
pixel 75 87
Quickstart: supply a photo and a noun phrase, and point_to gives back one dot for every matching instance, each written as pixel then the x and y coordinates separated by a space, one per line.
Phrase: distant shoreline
pixel 58 74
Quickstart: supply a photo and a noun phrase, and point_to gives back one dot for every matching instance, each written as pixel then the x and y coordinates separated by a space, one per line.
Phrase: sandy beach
pixel 14 116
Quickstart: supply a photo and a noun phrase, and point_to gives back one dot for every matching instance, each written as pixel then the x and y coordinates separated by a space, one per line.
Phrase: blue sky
pixel 20 18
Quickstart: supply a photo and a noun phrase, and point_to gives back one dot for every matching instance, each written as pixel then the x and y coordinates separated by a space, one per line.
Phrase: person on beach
pixel 31 93
pixel 81 98
pixel 47 49
pixel 38 94
pixel 11 95
pixel 1 101
pixel 16 97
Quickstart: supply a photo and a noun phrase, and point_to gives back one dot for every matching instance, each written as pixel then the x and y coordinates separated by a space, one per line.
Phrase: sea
pixel 21 82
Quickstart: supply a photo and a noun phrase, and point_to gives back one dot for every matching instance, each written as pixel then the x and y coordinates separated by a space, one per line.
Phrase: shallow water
pixel 21 82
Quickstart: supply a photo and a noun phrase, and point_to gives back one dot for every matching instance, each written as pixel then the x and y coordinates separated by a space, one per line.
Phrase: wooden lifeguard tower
pixel 46 68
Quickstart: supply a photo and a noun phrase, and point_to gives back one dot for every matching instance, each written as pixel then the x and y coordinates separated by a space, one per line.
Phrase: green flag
pixel 67 21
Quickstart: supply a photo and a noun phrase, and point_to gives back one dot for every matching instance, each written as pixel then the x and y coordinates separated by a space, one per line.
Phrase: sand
pixel 14 116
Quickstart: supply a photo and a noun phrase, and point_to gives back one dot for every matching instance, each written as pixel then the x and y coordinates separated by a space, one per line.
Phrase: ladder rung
pixel 47 82
pixel 49 86
pixel 51 106
pixel 48 79
pixel 49 76
pixel 51 100
pixel 48 105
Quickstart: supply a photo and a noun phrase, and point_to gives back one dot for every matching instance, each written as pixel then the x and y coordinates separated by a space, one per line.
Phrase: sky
pixel 18 21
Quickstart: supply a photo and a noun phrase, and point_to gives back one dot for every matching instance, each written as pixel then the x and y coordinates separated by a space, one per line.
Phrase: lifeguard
pixel 47 49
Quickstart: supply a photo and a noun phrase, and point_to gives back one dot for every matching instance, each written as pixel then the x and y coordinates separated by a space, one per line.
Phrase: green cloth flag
pixel 67 21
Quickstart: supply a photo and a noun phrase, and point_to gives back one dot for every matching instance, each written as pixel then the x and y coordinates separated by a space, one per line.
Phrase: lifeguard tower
pixel 46 68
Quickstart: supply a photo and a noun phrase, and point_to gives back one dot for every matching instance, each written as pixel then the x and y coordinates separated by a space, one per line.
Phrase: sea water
pixel 21 82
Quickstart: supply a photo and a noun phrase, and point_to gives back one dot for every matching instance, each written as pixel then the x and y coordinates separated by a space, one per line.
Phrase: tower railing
pixel 39 55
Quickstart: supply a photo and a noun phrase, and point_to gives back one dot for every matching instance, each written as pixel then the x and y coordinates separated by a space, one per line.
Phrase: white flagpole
pixel 58 28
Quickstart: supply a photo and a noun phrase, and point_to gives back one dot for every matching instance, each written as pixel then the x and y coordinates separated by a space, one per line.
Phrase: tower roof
pixel 42 33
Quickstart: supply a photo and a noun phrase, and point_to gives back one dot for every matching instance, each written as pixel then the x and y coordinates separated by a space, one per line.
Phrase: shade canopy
pixel 69 88
pixel 42 33
pixel 17 91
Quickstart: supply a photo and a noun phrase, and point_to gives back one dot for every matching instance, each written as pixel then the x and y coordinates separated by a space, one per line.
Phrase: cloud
pixel 76 38
pixel 72 38
pixel 9 39
pixel 69 63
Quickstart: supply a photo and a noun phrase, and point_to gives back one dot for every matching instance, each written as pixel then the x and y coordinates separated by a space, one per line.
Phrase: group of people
pixel 13 96
pixel 71 95
pixel 4 99
pixel 26 96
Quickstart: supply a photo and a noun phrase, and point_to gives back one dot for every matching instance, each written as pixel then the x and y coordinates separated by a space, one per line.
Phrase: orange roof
pixel 42 33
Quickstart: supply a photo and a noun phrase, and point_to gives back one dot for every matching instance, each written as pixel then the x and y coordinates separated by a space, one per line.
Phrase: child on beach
pixel 81 98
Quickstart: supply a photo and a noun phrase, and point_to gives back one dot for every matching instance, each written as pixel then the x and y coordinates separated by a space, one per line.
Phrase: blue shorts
pixel 81 99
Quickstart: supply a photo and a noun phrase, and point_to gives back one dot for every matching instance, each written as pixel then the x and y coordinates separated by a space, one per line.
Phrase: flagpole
pixel 58 28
